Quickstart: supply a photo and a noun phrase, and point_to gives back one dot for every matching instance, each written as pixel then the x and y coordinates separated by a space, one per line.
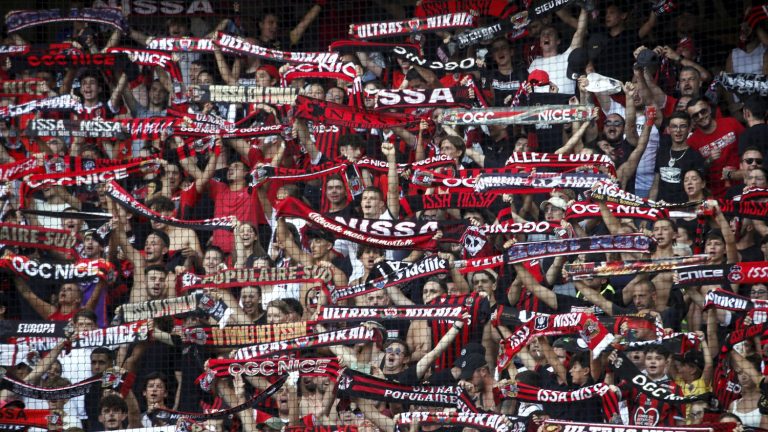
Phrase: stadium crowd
pixel 213 234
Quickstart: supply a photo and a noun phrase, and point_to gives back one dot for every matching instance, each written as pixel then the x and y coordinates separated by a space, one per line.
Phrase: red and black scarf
pixel 343 115
pixel 244 335
pixel 386 29
pixel 347 336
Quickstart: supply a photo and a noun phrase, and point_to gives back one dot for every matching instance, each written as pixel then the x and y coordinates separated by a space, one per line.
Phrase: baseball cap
pixel 647 58
pixel 538 78
pixel 271 70
pixel 577 63
pixel 467 350
pixel 555 202
pixel 469 365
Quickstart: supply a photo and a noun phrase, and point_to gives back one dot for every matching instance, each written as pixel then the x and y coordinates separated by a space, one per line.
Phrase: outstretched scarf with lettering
pixel 243 335
pixel 324 366
pixel 116 335
pixel 128 202
pixel 23 87
pixel 521 115
pixel 410 205
pixel 465 65
pixel 558 426
pixel 549 161
pixel 526 392
pixel 354 384
pixel 520 252
pixel 342 115
pixel 585 209
pixel 338 70
pixel 14 50
pixel 417 98
pixel 18 169
pixel 747 209
pixel 80 271
pixel 23 389
pixel 608 191
pixel 25 417
pixel 377 30
pixel 497 8
pixel 151 58
pixel 591 270
pixel 170 416
pixel 512 183
pixel 744 84
pixel 322 428
pixel 408 313
pixel 348 336
pixel 242 46
pixel 292 207
pixel 353 46
pixel 76 129
pixel 242 94
pixel 741 273
pixel 514 27
pixel 180 44
pixel 84 177
pixel 726 300
pixel 626 370
pixel 474 421
pixel 38 237
pixel 586 325
pixel 152 309
pixel 21 19
pixel 242 277
pixel 58 103
pixel 388 273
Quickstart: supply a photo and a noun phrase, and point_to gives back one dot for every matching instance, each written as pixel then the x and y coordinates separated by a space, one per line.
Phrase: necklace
pixel 672 160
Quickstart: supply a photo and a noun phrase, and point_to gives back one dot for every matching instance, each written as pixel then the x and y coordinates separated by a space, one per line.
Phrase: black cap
pixel 96 237
pixel 317 233
pixel 577 63
pixel 469 365
pixel 467 350
pixel 647 58
pixel 595 45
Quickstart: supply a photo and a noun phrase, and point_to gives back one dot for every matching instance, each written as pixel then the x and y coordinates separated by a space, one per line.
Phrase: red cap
pixel 538 78
pixel 271 70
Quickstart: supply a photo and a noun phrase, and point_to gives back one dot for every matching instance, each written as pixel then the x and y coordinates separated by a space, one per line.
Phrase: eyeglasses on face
pixel 750 161
pixel 396 351
pixel 614 123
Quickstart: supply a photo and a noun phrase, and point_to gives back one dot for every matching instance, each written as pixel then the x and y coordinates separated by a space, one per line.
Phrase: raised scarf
pixel 242 94
pixel 514 27
pixel 563 426
pixel 496 8
pixel 324 366
pixel 475 421
pixel 410 205
pixel 152 309
pixel 610 401
pixel 76 129
pixel 460 96
pixel 549 161
pixel 21 19
pixel 354 384
pixel 520 252
pixel 591 270
pixel 24 87
pixel 170 416
pixel 244 335
pixel 38 237
pixel 330 113
pixel 137 331
pixel 501 183
pixel 242 277
pixel 521 115
pixel 242 46
pixel 743 84
pixel 372 313
pixel 338 70
pixel 465 65
pixel 347 336
pixel 376 30
pixel 57 103
pixel 25 417
pixel 128 202
pixel 585 209
pixel 80 271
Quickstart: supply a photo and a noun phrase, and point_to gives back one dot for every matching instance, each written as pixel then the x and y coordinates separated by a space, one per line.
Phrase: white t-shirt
pixel 647 164
pixel 557 68
pixel 47 221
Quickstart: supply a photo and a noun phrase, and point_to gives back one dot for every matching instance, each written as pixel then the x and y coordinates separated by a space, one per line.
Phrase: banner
pixel 291 207
pixel 242 94
pixel 76 129
pixel 37 237
pixel 376 30
pixel 372 313
pixel 347 336
pixel 512 183
pixel 242 46
pixel 128 202
pixel 589 270
pixel 475 421
pixel 242 277
pixel 417 98
pixel 80 271
pixel 342 115
pixel 521 115
pixel 169 416
pixel 465 65
pixel 21 19
pixel 244 335
pixel 520 252
pixel 58 103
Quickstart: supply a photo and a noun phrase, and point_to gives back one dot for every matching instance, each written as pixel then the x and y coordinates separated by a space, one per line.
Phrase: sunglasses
pixel 702 113
pixel 614 123
pixel 750 161
pixel 759 292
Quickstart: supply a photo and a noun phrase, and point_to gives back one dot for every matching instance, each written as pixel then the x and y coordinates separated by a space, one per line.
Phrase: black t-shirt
pixel 671 165
pixel 503 85
pixel 496 152
pixel 754 136
pixel 549 136
pixel 616 59
pixel 752 253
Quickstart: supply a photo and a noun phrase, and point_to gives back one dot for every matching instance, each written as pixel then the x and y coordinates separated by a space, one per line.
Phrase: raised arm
pixel 594 297
pixel 540 291
pixel 581 30
pixel 393 184
pixel 627 169
pixel 210 168
pixel 305 22
pixel 43 308
pixel 429 359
